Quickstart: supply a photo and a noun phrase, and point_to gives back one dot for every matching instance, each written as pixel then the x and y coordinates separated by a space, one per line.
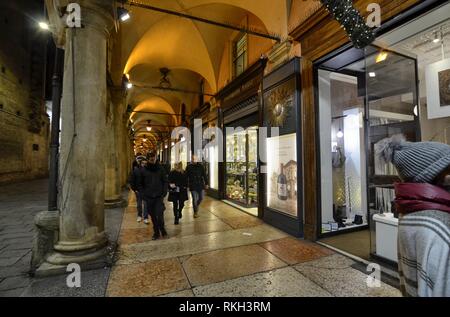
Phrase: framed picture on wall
pixel 438 89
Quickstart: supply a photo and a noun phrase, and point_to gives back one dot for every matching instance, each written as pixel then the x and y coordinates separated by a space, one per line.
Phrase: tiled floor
pixel 228 253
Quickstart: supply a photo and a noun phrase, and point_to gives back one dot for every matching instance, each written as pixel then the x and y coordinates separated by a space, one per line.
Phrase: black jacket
pixel 180 180
pixel 153 181
pixel 134 178
pixel 196 176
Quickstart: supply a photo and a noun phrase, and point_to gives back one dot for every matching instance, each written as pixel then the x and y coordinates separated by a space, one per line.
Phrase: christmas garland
pixel 351 20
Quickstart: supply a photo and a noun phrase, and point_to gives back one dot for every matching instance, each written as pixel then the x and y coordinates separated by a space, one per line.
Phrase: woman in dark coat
pixel 178 191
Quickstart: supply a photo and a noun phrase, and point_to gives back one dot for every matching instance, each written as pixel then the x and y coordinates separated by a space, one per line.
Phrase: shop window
pixel 399 85
pixel 239 55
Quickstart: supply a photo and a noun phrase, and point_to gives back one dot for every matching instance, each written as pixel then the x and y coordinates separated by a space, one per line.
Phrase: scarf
pixel 412 197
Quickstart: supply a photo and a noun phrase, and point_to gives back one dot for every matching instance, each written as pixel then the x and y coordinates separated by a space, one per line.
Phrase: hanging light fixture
pixel 165 82
pixel 149 128
pixel 145 139
pixel 340 134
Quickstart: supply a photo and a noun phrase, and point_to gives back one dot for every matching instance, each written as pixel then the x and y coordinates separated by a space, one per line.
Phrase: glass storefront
pixel 242 167
pixel 399 85
pixel 179 153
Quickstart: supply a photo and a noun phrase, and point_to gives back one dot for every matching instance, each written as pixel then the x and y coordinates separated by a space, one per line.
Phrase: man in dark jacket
pixel 133 181
pixel 197 182
pixel 153 184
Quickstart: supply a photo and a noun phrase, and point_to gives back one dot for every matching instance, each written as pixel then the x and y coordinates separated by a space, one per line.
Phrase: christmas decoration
pixel 351 20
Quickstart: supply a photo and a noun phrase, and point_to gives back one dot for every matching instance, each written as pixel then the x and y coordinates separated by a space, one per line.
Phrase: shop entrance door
pixel 392 108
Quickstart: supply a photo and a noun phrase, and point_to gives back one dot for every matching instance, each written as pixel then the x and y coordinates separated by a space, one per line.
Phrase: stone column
pixel 113 188
pixel 81 198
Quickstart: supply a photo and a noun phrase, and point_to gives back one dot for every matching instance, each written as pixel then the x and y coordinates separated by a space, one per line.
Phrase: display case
pixel 242 167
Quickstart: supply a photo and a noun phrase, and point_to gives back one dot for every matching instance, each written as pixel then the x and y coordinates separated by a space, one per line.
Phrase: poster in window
pixel 282 191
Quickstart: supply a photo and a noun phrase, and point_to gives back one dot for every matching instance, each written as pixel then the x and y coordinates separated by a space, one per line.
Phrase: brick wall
pixel 24 125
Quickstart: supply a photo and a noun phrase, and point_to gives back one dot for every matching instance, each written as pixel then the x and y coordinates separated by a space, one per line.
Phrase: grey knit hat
pixel 419 162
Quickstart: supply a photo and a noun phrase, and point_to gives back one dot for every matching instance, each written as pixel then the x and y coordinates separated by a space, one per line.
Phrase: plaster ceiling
pixel 192 50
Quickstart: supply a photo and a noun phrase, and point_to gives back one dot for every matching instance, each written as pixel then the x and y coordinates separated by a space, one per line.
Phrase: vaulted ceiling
pixel 191 50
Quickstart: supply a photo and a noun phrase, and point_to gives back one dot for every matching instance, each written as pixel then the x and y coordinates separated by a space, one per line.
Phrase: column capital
pixel 97 14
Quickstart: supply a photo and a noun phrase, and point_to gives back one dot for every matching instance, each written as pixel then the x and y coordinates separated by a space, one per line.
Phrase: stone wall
pixel 24 125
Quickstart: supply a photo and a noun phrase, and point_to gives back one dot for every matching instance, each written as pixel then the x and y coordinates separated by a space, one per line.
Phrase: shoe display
pixel 139 219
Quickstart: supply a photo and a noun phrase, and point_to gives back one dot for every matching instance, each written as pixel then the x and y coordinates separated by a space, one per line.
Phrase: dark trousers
pixel 197 198
pixel 178 206
pixel 155 207
pixel 141 206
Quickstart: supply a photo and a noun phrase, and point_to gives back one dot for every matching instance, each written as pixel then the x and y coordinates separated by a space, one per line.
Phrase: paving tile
pixel 8 261
pixel 164 249
pixel 285 282
pixel 341 280
pixel 221 265
pixel 93 284
pixel 224 211
pixel 12 293
pixel 243 221
pixel 13 253
pixel 147 279
pixel 11 283
pixel 138 235
pixel 294 251
pixel 186 294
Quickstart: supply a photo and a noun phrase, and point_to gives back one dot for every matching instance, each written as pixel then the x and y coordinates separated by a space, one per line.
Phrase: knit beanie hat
pixel 419 162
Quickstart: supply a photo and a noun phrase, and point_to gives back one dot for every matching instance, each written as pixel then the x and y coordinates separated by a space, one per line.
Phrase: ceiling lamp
pixel 340 134
pixel 165 82
pixel 123 14
pixel 381 57
pixel 149 128
pixel 129 85
pixel 145 139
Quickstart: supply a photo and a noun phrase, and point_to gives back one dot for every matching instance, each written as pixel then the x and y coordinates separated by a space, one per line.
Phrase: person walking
pixel 423 203
pixel 153 184
pixel 178 191
pixel 197 182
pixel 138 165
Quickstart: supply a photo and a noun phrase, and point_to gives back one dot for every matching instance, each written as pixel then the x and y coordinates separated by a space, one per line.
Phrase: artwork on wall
pixel 438 89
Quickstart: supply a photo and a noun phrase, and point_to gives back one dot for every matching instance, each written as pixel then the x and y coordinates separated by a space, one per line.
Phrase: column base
pixel 117 203
pixel 88 260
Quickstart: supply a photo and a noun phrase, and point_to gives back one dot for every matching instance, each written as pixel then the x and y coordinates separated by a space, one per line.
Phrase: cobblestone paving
pixel 19 203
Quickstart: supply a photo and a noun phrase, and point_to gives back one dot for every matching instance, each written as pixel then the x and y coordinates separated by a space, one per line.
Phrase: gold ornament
pixel 280 106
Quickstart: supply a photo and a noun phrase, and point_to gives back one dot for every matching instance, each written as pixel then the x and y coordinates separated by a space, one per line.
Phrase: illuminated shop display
pixel 282 174
pixel 242 167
